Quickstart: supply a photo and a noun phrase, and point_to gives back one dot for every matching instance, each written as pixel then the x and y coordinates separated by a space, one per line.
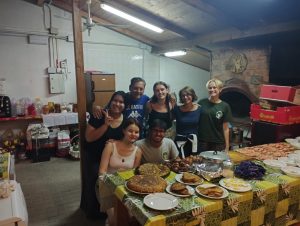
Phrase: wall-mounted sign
pixel 238 63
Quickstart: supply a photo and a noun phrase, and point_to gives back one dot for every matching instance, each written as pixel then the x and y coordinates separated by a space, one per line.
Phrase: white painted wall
pixel 24 65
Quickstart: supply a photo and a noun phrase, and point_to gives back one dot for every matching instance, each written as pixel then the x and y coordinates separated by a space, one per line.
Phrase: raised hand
pixel 97 112
pixel 108 119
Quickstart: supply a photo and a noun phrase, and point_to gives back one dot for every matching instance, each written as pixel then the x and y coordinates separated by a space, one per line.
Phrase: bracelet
pixel 101 176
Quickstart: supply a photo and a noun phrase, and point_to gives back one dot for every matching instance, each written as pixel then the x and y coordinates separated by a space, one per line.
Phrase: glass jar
pixel 228 169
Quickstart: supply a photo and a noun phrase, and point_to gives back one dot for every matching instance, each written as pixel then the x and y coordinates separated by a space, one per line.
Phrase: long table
pixel 275 200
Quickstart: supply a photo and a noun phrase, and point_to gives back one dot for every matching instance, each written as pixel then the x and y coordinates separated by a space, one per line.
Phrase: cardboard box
pixel 282 115
pixel 280 93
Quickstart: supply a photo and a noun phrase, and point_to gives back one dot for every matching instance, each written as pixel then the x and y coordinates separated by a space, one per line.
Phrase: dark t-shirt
pixel 187 122
pixel 94 149
pixel 213 116
pixel 135 108
pixel 164 116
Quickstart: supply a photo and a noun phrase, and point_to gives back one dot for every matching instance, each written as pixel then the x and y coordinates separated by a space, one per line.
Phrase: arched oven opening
pixel 239 104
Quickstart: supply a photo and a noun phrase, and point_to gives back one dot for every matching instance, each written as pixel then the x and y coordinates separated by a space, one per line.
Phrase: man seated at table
pixel 156 148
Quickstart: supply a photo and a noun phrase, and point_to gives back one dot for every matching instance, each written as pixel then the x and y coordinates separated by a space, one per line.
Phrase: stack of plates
pixel 276 164
pixel 291 171
pixel 294 142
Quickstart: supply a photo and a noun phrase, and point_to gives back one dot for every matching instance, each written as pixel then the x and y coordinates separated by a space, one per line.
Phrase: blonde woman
pixel 214 121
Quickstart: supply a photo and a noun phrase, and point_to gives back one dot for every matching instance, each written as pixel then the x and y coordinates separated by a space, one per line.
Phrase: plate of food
pixel 235 184
pixel 153 169
pixel 180 190
pixel 146 184
pixel 274 163
pixel 212 191
pixel 189 178
pixel 160 201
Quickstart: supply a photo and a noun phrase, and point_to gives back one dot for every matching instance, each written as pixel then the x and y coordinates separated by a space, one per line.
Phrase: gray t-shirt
pixel 150 154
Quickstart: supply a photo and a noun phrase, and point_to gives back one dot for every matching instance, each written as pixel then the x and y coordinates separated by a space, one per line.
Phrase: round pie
pixel 153 169
pixel 146 184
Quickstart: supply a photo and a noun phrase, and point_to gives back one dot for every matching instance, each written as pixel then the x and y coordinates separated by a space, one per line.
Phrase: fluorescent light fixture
pixel 131 18
pixel 175 53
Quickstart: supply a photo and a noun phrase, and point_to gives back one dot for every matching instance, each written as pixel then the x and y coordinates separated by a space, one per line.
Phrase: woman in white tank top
pixel 117 156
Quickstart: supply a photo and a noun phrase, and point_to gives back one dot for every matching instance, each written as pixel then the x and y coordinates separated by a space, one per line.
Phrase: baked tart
pixel 146 184
pixel 153 169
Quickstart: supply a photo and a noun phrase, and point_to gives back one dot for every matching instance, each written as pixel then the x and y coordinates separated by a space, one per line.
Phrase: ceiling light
pixel 131 18
pixel 175 53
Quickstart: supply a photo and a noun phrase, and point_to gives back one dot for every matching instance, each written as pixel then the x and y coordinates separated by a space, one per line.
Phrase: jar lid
pixel 214 155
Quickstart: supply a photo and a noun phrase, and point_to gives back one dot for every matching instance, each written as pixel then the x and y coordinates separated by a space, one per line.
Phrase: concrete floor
pixel 52 192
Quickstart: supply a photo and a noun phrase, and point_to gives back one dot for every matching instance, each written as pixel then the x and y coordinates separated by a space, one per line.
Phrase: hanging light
pixel 131 18
pixel 175 53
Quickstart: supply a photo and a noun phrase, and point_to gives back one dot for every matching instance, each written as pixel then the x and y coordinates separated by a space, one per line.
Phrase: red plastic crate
pixel 282 115
pixel 280 93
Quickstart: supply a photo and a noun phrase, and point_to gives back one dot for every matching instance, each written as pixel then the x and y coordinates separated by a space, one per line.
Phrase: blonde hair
pixel 218 83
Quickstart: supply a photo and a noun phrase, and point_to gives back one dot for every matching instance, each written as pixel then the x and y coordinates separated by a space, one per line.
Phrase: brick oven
pixel 238 95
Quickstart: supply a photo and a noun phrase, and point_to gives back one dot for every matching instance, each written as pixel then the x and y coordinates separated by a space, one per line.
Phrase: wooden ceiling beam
pixel 68 7
pixel 226 36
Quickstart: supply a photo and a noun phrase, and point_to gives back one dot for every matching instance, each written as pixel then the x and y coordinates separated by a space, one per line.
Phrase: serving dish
pixel 201 187
pixel 136 192
pixel 160 201
pixel 178 178
pixel 190 189
pixel 235 184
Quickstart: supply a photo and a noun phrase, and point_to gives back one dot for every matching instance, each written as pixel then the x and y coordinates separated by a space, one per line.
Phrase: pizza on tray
pixel 146 184
pixel 267 151
pixel 153 169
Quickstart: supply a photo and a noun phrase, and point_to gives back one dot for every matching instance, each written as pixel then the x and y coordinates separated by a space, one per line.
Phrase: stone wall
pixel 254 70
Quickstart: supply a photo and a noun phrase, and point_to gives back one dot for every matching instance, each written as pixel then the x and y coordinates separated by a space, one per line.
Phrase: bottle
pixel 38 106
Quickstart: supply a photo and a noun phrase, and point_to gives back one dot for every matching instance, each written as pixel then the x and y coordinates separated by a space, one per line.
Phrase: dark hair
pixel 131 121
pixel 120 93
pixel 154 98
pixel 188 90
pixel 135 80
pixel 168 97
pixel 158 123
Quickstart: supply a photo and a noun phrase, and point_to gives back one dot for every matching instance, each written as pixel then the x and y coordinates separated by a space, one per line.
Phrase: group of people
pixel 131 130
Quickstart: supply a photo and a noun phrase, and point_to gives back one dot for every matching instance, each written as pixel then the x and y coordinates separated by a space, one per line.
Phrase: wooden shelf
pixel 25 118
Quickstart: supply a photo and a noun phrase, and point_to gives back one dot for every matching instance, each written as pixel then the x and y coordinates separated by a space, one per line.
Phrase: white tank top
pixel 118 161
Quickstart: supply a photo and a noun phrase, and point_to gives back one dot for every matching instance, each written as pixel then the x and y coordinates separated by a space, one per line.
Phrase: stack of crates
pixel 278 104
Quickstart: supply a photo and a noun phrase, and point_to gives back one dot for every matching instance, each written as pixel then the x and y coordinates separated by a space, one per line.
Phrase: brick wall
pixel 257 69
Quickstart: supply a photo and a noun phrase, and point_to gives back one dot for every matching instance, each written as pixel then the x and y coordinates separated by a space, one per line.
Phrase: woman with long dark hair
pixel 99 131
pixel 161 104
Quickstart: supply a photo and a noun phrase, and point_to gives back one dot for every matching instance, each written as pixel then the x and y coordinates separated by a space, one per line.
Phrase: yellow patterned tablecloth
pixel 275 200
